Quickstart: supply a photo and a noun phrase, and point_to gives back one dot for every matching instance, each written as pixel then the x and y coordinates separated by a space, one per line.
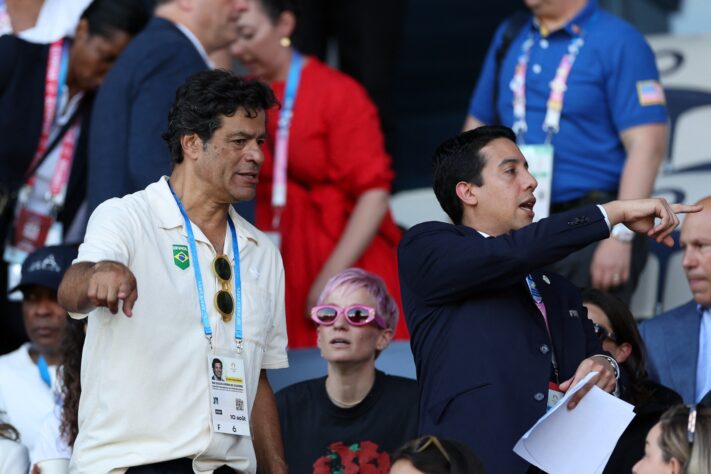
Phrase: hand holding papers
pixel 579 440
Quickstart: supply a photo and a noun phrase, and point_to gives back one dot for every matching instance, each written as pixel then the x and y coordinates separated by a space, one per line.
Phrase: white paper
pixel 579 440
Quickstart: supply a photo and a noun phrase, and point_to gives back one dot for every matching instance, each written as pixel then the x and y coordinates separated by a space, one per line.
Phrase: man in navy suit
pixel 126 151
pixel 494 339
pixel 679 341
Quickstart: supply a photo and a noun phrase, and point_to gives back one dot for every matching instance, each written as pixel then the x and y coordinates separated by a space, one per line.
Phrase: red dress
pixel 336 153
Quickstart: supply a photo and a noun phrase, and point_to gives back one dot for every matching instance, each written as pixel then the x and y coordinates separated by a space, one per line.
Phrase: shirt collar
pixel 703 311
pixel 169 216
pixel 196 42
pixel 576 25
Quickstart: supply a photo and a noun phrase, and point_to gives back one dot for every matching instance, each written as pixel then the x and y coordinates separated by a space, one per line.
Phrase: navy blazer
pixel 481 348
pixel 126 151
pixel 672 343
pixel 23 68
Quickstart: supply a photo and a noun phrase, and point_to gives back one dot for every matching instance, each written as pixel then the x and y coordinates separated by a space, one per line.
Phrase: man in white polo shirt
pixel 195 282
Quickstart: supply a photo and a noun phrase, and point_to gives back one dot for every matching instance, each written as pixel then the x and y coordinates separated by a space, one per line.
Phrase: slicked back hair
pixel 460 159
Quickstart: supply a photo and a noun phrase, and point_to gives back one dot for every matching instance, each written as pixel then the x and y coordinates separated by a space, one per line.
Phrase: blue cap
pixel 46 266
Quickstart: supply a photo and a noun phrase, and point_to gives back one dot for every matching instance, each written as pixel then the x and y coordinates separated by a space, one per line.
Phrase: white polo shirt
pixel 145 395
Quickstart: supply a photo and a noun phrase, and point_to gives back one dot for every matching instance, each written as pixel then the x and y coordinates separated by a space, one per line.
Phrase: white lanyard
pixel 558 86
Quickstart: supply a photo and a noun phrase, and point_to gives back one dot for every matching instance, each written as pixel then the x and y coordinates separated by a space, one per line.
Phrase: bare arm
pixel 645 146
pixel 87 285
pixel 360 230
pixel 471 123
pixel 268 445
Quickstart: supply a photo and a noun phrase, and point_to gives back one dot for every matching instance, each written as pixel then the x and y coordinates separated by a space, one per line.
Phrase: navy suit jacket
pixel 126 151
pixel 481 348
pixel 23 67
pixel 672 342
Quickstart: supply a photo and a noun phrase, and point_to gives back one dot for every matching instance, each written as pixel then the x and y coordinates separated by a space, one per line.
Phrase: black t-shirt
pixel 321 437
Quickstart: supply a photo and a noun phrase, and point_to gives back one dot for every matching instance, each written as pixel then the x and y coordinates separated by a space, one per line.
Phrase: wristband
pixel 613 363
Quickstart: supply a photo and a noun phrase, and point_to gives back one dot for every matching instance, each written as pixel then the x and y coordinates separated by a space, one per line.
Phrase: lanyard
pixel 538 299
pixel 44 370
pixel 551 124
pixel 281 149
pixel 56 77
pixel 57 65
pixel 198 275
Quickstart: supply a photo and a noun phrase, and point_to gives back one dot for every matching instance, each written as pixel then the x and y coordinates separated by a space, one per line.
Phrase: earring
pixel 285 42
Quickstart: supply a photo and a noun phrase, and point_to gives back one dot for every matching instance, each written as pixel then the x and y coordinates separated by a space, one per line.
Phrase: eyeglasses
pixel 603 333
pixel 356 315
pixel 691 424
pixel 224 301
pixel 427 441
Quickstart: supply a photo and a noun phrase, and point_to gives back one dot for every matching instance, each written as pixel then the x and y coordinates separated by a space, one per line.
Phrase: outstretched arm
pixel 87 285
pixel 640 214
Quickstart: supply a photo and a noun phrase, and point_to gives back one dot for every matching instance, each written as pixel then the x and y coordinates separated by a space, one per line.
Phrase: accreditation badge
pixel 540 165
pixel 228 394
pixel 554 395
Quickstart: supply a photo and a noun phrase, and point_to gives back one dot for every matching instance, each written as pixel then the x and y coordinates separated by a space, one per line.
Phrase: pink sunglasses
pixel 356 315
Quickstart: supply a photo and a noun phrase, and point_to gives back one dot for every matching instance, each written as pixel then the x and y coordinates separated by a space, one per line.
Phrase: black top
pixel 321 437
pixel 630 447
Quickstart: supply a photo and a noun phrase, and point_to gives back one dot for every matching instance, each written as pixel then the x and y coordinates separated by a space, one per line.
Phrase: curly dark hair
pixel 72 346
pixel 207 96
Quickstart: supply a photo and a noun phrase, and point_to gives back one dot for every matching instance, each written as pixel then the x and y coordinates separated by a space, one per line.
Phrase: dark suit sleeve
pixel 148 154
pixel 442 263
pixel 8 54
pixel 652 371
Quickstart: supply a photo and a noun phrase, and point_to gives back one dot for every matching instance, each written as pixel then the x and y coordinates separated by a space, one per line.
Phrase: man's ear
pixel 466 192
pixel 191 144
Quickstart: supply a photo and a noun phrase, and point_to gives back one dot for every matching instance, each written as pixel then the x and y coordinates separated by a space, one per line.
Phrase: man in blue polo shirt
pixel 581 89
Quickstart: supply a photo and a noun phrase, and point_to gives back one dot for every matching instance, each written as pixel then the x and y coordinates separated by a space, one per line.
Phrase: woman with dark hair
pixel 432 455
pixel 59 431
pixel 324 188
pixel 679 444
pixel 615 326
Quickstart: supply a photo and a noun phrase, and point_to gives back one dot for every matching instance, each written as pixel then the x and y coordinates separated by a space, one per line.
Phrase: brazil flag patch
pixel 181 257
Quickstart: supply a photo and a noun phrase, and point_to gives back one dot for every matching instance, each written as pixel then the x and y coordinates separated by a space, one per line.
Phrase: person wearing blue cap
pixel 28 375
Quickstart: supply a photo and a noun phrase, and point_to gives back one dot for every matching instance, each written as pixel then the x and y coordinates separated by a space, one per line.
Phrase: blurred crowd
pixel 191 188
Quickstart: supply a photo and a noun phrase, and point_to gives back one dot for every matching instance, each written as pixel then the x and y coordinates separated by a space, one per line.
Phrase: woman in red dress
pixel 335 213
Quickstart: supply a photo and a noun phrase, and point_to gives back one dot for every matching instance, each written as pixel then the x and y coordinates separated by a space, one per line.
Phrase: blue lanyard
pixel 62 79
pixel 44 370
pixel 198 275
pixel 292 86
pixel 281 152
